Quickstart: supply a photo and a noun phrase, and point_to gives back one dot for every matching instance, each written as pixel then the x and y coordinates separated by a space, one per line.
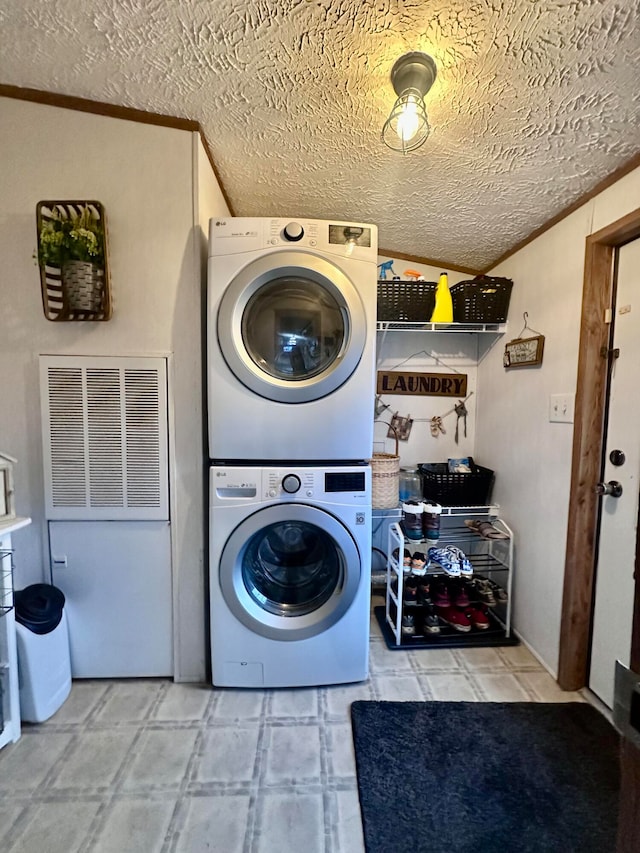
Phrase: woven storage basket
pixel 454 489
pixel 385 478
pixel 406 301
pixel 484 299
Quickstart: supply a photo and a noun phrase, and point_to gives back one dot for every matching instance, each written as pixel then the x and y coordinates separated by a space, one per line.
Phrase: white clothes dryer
pixel 291 339
pixel 290 566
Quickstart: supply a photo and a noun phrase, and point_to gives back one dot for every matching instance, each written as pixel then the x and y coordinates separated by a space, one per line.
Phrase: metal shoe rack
pixel 490 558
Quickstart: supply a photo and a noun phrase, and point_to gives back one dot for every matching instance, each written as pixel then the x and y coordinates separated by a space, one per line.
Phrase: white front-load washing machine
pixel 290 565
pixel 291 339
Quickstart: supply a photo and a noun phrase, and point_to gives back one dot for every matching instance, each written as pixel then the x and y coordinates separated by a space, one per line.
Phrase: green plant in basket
pixel 79 237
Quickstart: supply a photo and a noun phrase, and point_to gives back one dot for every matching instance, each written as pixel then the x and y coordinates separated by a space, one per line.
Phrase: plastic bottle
pixel 443 309
pixel 410 485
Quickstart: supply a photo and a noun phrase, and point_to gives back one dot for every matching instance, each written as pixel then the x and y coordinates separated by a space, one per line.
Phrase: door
pixel 290 571
pixel 116 578
pixel 615 584
pixel 291 327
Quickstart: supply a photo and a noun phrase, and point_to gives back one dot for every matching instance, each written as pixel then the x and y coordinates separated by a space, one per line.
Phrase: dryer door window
pixel 294 328
pixel 291 327
pixel 289 571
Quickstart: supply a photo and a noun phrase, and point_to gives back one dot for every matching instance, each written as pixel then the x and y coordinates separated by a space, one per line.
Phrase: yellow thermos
pixel 443 310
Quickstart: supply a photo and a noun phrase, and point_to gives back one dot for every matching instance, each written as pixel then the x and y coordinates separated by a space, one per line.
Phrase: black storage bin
pixel 406 301
pixel 455 489
pixel 483 299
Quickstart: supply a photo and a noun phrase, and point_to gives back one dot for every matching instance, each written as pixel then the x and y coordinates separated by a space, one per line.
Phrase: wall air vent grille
pixel 105 437
pixel 143 437
pixel 68 468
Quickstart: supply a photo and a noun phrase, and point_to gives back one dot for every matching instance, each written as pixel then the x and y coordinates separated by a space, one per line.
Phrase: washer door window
pixel 291 327
pixel 289 571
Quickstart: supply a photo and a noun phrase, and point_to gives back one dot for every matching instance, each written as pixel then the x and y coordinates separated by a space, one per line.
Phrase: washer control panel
pixel 232 485
pixel 285 483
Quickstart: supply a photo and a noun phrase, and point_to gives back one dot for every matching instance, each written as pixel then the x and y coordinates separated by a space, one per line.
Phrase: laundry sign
pixel 422 384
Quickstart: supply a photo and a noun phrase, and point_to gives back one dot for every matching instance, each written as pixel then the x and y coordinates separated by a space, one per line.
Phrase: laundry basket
pixel 385 477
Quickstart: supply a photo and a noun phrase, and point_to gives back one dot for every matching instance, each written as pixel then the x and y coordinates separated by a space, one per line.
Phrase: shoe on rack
pixel 481 591
pixel 406 558
pixel 440 594
pixel 478 617
pixel 411 521
pixel 424 592
pixel 418 563
pixel 499 593
pixel 408 625
pixel 410 591
pixel 458 594
pixel 455 618
pixel 430 623
pixel 446 560
pixel 466 569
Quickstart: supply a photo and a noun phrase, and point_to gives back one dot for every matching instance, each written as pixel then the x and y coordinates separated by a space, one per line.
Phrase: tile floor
pixel 148 765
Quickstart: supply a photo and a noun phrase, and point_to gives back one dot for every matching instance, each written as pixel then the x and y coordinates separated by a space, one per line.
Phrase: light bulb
pixel 409 121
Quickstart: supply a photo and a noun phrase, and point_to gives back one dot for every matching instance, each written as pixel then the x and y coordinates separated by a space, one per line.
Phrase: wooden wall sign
pixel 422 384
pixel 524 352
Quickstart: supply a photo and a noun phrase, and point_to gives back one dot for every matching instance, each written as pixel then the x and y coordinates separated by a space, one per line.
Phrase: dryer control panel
pixel 232 235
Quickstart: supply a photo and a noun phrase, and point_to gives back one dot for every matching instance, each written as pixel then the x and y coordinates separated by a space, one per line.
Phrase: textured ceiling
pixel 536 101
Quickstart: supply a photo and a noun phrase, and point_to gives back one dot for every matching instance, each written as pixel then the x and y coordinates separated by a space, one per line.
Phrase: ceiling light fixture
pixel 407 127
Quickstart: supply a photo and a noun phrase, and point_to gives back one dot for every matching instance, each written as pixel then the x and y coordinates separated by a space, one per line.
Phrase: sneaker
pixel 424 592
pixel 466 569
pixel 458 594
pixel 418 562
pixel 440 593
pixel 430 624
pixel 478 617
pixel 410 592
pixel 455 618
pixel 408 625
pixel 481 591
pixel 406 559
pixel 498 592
pixel 446 560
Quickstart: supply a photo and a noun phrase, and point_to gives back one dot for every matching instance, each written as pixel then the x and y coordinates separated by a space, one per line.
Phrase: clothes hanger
pixel 528 328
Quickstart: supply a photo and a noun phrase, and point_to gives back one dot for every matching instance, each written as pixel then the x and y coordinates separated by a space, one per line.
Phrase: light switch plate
pixel 561 408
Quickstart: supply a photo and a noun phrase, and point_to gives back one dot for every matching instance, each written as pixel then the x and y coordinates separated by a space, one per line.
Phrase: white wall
pixel 532 457
pixel 144 176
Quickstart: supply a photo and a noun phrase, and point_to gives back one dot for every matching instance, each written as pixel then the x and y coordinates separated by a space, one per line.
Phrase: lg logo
pixel 220 222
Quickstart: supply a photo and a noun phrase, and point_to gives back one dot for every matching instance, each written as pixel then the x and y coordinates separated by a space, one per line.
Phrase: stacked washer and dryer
pixel 291 381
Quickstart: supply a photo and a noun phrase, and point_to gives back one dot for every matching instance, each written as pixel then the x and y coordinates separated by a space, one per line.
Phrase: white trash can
pixel 44 661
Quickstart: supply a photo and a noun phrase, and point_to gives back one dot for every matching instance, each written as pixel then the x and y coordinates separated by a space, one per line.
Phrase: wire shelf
pixel 409 326
pixel 6 581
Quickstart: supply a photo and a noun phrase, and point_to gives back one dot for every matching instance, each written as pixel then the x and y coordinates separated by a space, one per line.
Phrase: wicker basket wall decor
pixel 77 290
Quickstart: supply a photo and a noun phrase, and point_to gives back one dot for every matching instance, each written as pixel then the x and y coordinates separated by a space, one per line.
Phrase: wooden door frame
pixel 590 407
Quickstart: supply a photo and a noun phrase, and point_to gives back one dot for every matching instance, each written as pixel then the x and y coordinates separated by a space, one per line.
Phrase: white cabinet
pixel 403 617
pixel 9 695
pixel 116 578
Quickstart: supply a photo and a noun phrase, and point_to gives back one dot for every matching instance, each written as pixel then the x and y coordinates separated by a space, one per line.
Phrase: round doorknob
pixel 617 457
pixel 293 232
pixel 613 488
